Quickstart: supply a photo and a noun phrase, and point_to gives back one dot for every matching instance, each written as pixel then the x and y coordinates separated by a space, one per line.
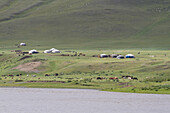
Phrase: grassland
pixel 150 67
pixel 85 24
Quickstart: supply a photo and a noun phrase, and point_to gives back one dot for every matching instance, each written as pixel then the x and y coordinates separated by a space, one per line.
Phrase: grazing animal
pixel 11 75
pixel 94 55
pixel 134 78
pixel 130 77
pixel 33 75
pixel 47 75
pixel 100 78
pixel 113 78
pixel 61 73
pixel 127 76
pixel 56 74
pixel 17 75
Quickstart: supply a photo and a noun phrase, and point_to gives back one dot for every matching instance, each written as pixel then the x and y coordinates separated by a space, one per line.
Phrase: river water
pixel 39 100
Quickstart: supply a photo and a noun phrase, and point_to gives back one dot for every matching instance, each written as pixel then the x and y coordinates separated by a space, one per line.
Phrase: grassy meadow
pixel 150 67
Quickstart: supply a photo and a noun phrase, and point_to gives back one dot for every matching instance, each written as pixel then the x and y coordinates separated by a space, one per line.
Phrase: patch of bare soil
pixel 29 67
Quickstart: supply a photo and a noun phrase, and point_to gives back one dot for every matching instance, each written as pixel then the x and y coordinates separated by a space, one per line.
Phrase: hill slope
pixel 86 24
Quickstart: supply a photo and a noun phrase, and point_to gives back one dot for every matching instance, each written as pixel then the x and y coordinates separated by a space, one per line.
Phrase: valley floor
pixel 150 68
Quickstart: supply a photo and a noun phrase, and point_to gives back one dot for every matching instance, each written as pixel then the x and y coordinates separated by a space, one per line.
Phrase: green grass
pixel 82 71
pixel 87 24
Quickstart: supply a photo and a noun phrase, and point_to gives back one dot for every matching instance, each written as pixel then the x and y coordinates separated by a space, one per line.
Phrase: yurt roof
pixel 102 54
pixel 114 54
pixel 129 55
pixel 120 56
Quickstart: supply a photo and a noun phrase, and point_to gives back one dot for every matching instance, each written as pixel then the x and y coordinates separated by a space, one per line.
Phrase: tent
pixel 52 49
pixel 103 56
pixel 33 51
pixel 130 56
pixel 22 44
pixel 120 57
pixel 56 51
pixel 47 51
pixel 114 55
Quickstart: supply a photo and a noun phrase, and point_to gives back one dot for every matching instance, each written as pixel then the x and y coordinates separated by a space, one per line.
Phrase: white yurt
pixel 103 55
pixel 47 51
pixel 56 51
pixel 33 51
pixel 130 56
pixel 114 55
pixel 52 49
pixel 120 57
pixel 22 44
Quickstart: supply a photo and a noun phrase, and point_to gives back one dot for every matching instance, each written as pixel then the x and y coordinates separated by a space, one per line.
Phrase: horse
pixel 33 75
pixel 11 75
pixel 114 79
pixel 56 74
pixel 100 78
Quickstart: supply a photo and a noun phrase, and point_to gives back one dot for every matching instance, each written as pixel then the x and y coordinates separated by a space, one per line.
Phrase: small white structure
pixel 47 51
pixel 130 56
pixel 22 44
pixel 52 49
pixel 120 57
pixel 56 51
pixel 114 55
pixel 103 56
pixel 33 51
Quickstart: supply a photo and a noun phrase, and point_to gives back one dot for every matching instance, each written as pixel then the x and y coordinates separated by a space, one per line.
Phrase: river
pixel 44 100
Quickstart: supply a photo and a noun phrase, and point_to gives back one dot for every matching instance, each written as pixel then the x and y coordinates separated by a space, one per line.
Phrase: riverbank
pixel 98 86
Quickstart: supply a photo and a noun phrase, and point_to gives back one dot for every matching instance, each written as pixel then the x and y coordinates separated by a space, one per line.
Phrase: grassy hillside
pixel 85 24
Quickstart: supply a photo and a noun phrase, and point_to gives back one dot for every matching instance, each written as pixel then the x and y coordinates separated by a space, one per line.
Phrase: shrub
pixel 69 81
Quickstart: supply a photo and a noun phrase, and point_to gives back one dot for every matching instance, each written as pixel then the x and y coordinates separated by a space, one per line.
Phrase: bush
pixel 69 81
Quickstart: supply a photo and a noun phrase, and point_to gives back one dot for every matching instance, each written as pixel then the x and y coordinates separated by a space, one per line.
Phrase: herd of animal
pixel 57 74
pixel 76 54
pixel 117 79
pixel 17 75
